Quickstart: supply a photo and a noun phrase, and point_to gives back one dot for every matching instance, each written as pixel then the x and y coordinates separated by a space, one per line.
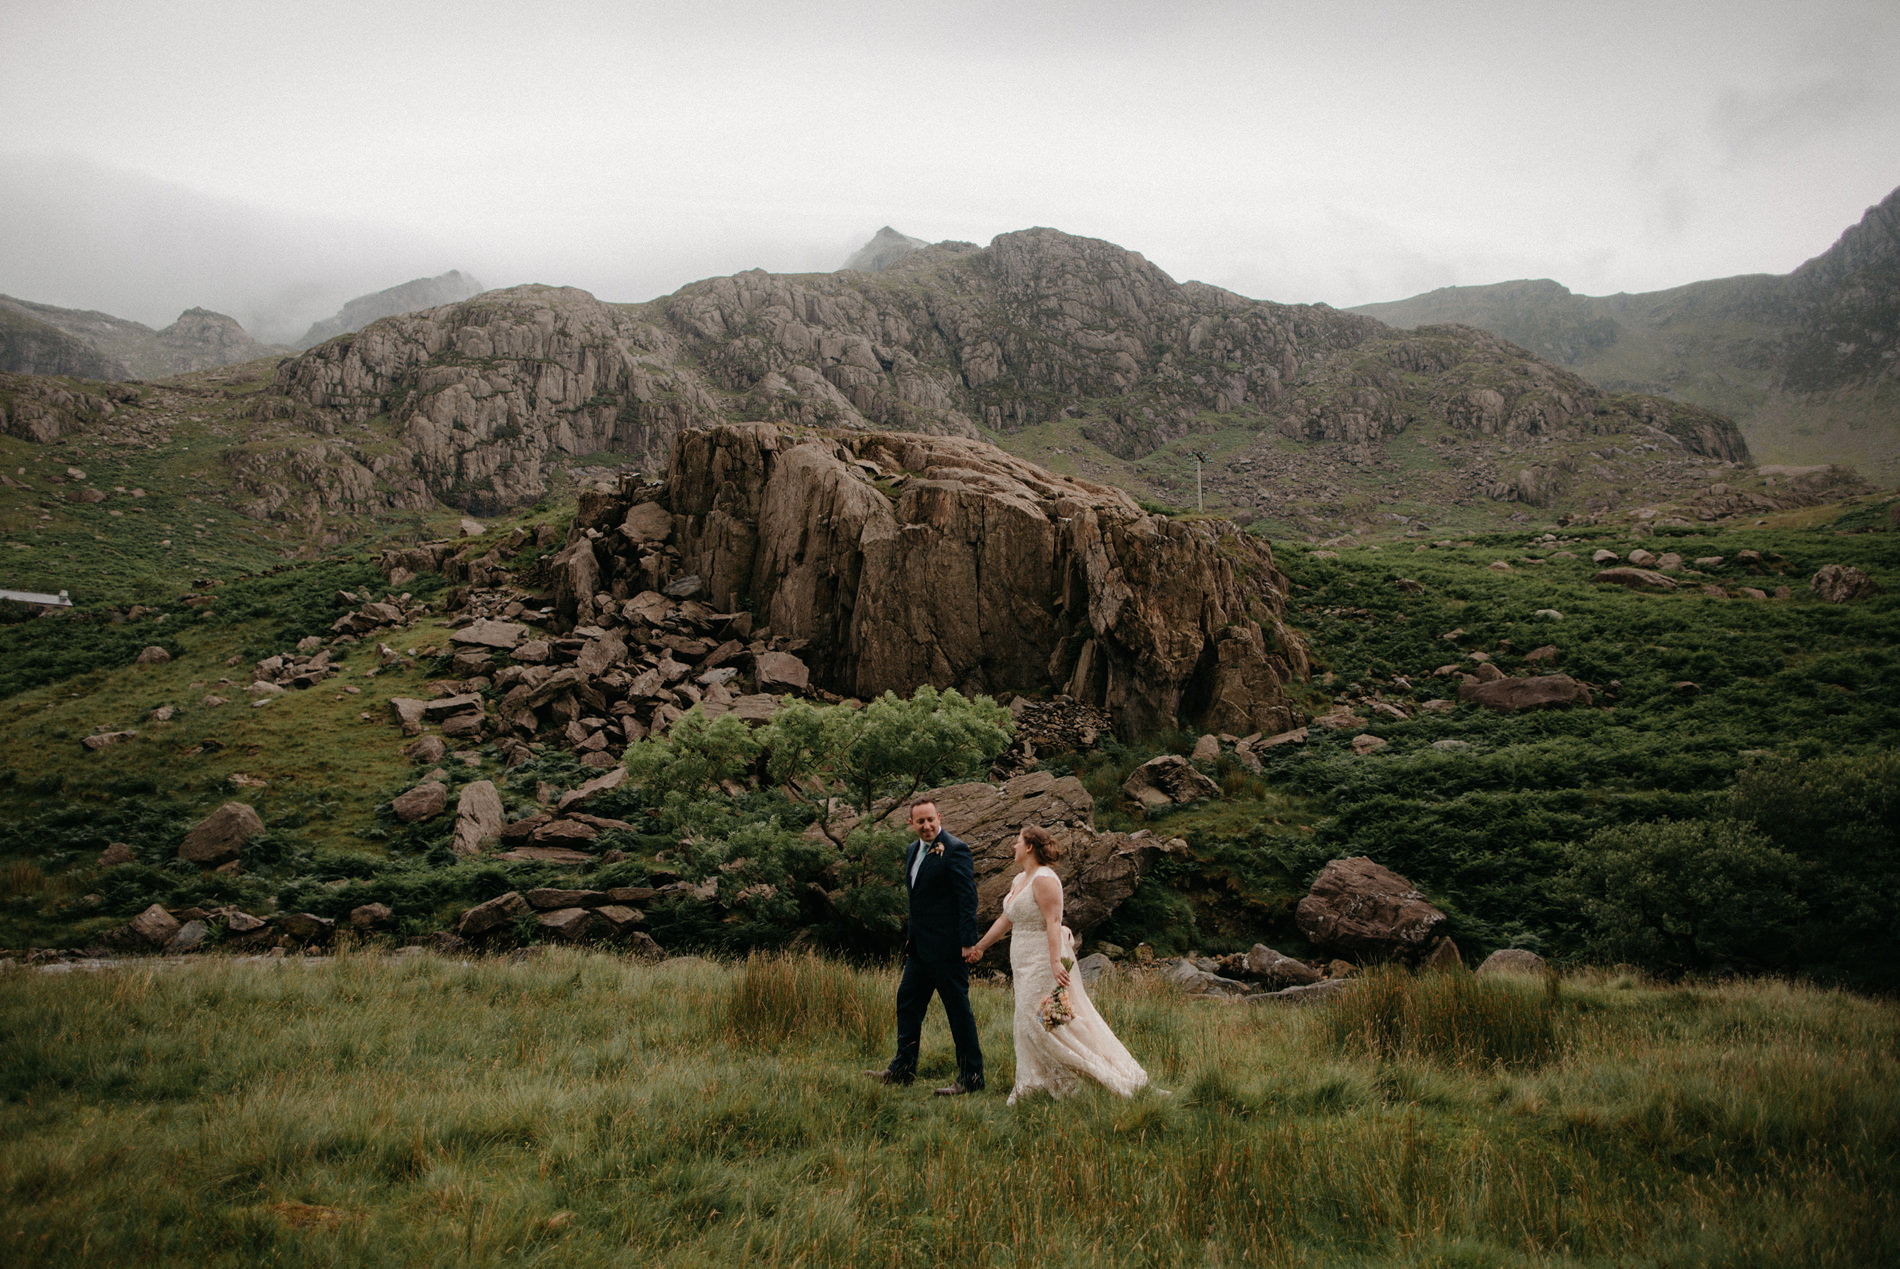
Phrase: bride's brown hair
pixel 1043 844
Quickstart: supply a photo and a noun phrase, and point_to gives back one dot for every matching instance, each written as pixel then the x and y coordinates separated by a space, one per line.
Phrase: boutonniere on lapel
pixel 937 849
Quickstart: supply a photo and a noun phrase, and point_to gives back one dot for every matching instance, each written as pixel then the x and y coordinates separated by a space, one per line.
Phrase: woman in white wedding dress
pixel 1052 1059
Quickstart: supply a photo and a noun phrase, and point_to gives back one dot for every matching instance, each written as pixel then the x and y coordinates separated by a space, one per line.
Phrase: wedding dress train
pixel 1053 1061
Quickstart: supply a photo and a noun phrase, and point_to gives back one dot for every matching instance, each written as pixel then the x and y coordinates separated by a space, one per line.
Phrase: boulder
pixel 306 927
pixel 485 918
pixel 1543 691
pixel 371 916
pixel 647 522
pixel 153 655
pixel 1094 968
pixel 1302 994
pixel 1206 749
pixel 1842 583
pixel 1169 780
pixel 155 925
pixel 221 836
pixel 426 801
pixel 240 923
pixel 114 854
pixel 780 672
pixel 568 924
pixel 1277 971
pixel 1512 960
pixel 1635 579
pixel 1641 558
pixel 487 633
pixel 1443 957
pixel 478 817
pixel 1366 743
pixel 408 712
pixel 1358 907
pixel 189 937
pixel 547 899
pixel 425 750
pixel 641 946
pixel 106 739
pixel 1194 981
pixel 619 919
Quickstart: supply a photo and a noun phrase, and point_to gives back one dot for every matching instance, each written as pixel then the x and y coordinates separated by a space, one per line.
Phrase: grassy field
pixel 578 1109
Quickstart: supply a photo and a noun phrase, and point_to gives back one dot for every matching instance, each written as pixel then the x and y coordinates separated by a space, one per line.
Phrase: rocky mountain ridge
pixel 1040 328
pixel 1805 362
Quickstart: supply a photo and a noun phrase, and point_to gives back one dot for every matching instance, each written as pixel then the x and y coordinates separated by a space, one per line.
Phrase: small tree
pixel 885 752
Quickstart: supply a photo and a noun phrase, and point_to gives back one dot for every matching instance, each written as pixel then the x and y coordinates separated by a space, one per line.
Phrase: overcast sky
pixel 272 159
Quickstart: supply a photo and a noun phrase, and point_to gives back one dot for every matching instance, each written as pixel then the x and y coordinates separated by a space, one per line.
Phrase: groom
pixel 940 876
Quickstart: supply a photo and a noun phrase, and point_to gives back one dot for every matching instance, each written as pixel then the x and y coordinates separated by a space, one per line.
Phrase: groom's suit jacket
pixel 942 899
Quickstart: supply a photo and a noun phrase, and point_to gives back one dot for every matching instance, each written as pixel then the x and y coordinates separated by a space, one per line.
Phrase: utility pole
pixel 1199 459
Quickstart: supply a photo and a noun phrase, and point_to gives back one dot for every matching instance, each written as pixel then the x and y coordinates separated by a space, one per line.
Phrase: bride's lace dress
pixel 1053 1061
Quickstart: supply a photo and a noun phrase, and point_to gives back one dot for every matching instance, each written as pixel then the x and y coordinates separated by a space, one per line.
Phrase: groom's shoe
pixel 884 1075
pixel 961 1087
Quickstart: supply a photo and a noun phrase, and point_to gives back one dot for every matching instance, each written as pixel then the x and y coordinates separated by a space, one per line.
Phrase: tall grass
pixel 1453 1018
pixel 776 997
pixel 578 1109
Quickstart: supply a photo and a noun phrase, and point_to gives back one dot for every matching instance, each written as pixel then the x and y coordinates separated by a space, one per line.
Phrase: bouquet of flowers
pixel 1054 1009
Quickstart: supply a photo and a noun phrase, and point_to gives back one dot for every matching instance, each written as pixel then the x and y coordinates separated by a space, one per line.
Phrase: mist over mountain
pixel 885 249
pixel 44 339
pixel 1807 363
pixel 407 298
pixel 83 236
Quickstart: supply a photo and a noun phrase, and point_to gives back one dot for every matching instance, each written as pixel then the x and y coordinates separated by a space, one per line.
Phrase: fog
pixel 271 162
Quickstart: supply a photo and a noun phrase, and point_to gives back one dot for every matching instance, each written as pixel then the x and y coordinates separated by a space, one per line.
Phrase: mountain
pixel 100 346
pixel 409 297
pixel 31 346
pixel 885 249
pixel 1806 362
pixel 1051 343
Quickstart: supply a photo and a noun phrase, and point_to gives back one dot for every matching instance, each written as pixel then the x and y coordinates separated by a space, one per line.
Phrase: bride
pixel 1051 1059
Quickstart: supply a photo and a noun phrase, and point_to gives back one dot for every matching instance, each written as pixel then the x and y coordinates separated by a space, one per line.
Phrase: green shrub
pixel 1681 895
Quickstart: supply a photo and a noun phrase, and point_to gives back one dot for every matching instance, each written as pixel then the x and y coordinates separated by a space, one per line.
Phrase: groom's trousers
pixel 951 981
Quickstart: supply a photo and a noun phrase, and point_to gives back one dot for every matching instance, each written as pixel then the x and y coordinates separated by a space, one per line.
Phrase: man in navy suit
pixel 940 876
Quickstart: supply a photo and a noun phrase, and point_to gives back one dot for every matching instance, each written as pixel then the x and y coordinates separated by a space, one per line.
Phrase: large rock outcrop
pixel 896 559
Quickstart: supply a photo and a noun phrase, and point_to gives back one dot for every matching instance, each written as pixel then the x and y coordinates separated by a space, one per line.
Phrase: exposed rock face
pixel 43 410
pixel 1037 326
pixel 422 293
pixel 899 559
pixel 1363 909
pixel 484 391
